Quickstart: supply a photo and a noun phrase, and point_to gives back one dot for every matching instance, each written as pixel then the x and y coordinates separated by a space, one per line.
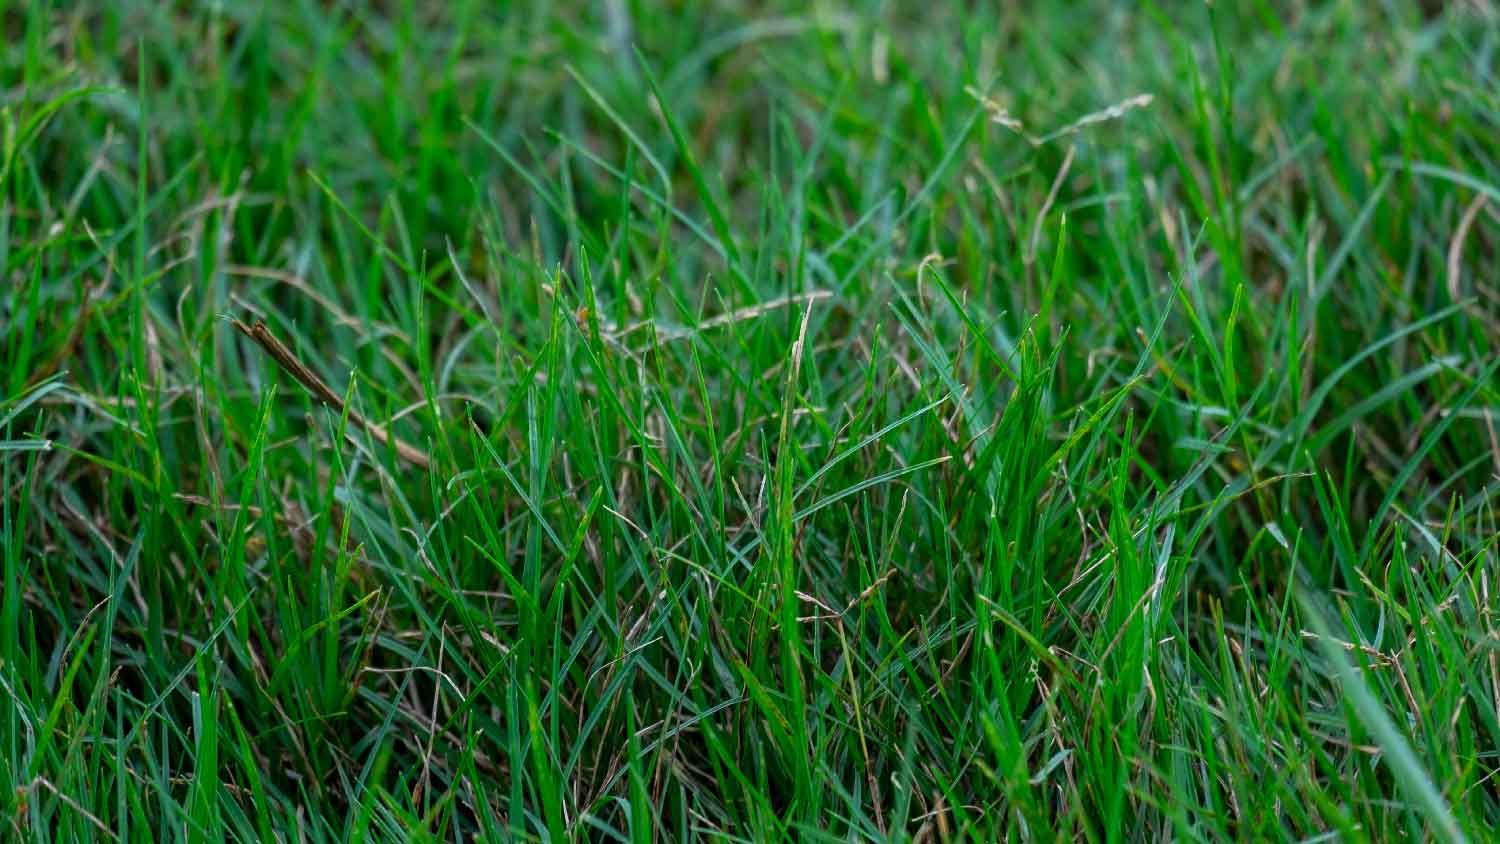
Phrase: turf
pixel 749 421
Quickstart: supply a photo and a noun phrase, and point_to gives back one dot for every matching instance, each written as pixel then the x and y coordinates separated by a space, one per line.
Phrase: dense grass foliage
pixel 727 421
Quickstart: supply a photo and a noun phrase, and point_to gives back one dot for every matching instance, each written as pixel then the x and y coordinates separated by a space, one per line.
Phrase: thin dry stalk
pixel 325 394
pixel 1456 247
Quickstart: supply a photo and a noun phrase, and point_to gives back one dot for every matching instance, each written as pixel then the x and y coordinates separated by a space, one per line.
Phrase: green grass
pixel 858 422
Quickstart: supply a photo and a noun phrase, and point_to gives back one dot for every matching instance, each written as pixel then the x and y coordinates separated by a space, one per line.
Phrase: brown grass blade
pixel 310 381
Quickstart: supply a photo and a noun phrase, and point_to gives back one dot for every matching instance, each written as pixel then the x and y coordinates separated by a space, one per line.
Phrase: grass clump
pixel 749 421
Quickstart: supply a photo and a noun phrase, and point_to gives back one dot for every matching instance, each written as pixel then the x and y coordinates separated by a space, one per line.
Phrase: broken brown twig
pixel 325 394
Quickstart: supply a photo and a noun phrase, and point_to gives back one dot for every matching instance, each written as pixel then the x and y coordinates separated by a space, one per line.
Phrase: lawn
pixel 747 420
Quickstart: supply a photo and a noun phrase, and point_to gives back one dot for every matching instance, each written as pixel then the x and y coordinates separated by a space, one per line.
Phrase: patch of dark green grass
pixel 889 422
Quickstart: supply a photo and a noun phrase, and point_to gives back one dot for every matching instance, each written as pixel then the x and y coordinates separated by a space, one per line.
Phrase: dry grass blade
pixel 1456 247
pixel 310 381
pixel 68 347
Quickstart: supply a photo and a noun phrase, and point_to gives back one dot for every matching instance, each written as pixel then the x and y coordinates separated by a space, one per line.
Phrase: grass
pixel 747 421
